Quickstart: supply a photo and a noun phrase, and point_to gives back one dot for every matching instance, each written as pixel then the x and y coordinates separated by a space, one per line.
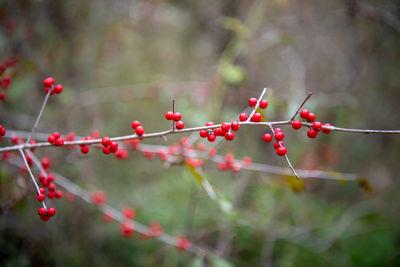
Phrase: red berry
pixel 317 126
pixel 139 130
pixel 32 142
pixel 56 135
pixel 263 104
pixel 51 187
pixel 225 126
pixel 106 150
pixel 179 125
pixel 229 136
pixel 281 151
pixel 50 177
pixel 296 124
pixel 326 130
pixel 243 117
pixel 113 147
pixel 45 218
pixel 58 89
pixel 135 124
pixel 279 136
pixel 212 152
pixel 2 96
pixel 45 163
pixel 42 190
pixel 59 194
pixel 235 126
pixel 210 123
pixel 169 115
pixel 277 130
pixel 51 139
pixel 219 132
pixel 182 243
pixel 311 117
pixel 252 102
pixel 304 114
pixel 128 212
pixel 42 211
pixel 127 229
pixel 211 137
pixel 59 142
pixel 203 133
pixel 278 144
pixel 246 161
pixel 85 149
pixel 177 116
pixel 52 212
pixel 267 137
pixel 257 117
pixel 40 197
pixel 312 134
pixel 48 82
pixel 106 141
pixel 3 131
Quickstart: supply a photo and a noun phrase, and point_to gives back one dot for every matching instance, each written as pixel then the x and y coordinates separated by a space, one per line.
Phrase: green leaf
pixel 231 73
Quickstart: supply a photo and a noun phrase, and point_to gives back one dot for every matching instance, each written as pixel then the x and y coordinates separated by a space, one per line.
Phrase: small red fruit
pixel 106 141
pixel 278 144
pixel 267 137
pixel 203 133
pixel 210 123
pixel 106 150
pixel 229 136
pixel 312 134
pixel 326 130
pixel 139 130
pixel 135 124
pixel 317 126
pixel 235 126
pixel 311 117
pixel 304 114
pixel 252 102
pixel 40 197
pixel 211 137
pixel 52 212
pixel 85 149
pixel 177 116
pixel 263 104
pixel 281 151
pixel 48 82
pixel 279 136
pixel 51 139
pixel 296 124
pixel 113 147
pixel 58 89
pixel 42 211
pixel 179 125
pixel 59 142
pixel 257 117
pixel 169 115
pixel 225 126
pixel 243 117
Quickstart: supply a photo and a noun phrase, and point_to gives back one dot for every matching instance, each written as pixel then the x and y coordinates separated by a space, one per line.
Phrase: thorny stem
pixel 40 115
pixel 31 175
pixel 258 104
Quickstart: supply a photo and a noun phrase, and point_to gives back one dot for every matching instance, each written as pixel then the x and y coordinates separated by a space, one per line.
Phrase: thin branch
pixel 258 104
pixel 363 131
pixel 173 112
pixel 31 175
pixel 39 116
pixel 302 104
pixel 286 157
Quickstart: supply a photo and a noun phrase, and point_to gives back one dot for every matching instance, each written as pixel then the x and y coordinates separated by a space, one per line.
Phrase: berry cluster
pixel 315 128
pixel 176 117
pixel 46 214
pixel 108 145
pixel 278 145
pixel 229 163
pixel 48 181
pixel 139 129
pixel 55 138
pixel 85 148
pixel 49 85
pixel 226 130
pixel 2 131
pixel 5 80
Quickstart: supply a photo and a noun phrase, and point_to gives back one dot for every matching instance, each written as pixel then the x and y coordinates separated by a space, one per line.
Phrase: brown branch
pixel 302 104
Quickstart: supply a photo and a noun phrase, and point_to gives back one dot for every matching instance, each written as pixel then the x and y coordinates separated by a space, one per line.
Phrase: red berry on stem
pixel 312 134
pixel 85 149
pixel 50 177
pixel 52 212
pixel 225 126
pixel 279 136
pixel 281 151
pixel 267 137
pixel 51 139
pixel 32 142
pixel 42 211
pixel 48 82
pixel 40 197
pixel 311 117
pixel 106 141
pixel 252 102
pixel 229 136
pixel 317 126
pixel 177 116
pixel 106 150
pixel 296 124
pixel 210 123
pixel 211 137
pixel 56 135
pixel 169 115
pixel 263 104
pixel 257 117
pixel 135 124
pixel 203 133
pixel 326 130
pixel 304 114
pixel 42 190
pixel 113 147
pixel 243 117
pixel 59 142
pixel 235 126
pixel 139 130
pixel 278 144
pixel 58 89
pixel 179 125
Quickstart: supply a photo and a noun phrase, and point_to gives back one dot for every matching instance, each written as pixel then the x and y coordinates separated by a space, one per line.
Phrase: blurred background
pixel 125 60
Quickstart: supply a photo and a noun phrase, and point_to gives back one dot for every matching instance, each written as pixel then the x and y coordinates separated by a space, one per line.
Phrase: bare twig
pixel 302 104
pixel 31 175
pixel 39 115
